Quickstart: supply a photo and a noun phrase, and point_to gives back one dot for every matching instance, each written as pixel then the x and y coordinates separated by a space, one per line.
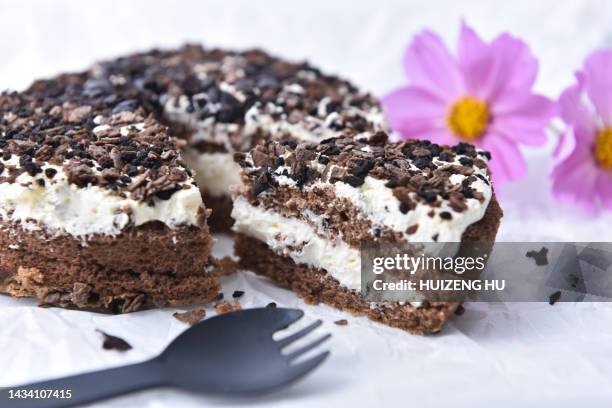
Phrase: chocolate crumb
pixel 574 280
pixel 225 266
pixel 412 229
pixel 554 298
pixel 191 317
pixel 271 305
pixel 227 307
pixel 540 257
pixel 113 342
pixel 341 322
pixel 237 293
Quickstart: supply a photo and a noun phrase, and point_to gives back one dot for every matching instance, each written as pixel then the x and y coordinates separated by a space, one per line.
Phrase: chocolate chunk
pixel 341 322
pixel 554 297
pixel 271 304
pixel 353 181
pixel 80 174
pixel 323 159
pixel 50 172
pixel 237 293
pixel 428 195
pixel 361 168
pixel 466 161
pixel 540 257
pixel 261 184
pixel 485 154
pixel 114 343
pixel 392 183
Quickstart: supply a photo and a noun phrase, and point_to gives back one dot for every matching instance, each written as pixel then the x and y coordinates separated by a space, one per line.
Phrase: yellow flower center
pixel 603 148
pixel 468 118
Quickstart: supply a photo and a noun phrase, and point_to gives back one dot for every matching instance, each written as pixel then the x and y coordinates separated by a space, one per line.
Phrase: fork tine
pixel 299 334
pixel 304 368
pixel 294 354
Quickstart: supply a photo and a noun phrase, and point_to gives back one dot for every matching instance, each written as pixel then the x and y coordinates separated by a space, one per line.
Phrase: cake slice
pixel 304 210
pixel 97 210
pixel 222 101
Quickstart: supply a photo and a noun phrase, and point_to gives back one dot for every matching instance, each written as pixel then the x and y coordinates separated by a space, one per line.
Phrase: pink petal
pixel 511 66
pixel 428 64
pixel 412 110
pixel 574 112
pixel 565 145
pixel 507 162
pixel 523 119
pixel 598 82
pixel 474 58
pixel 439 135
pixel 574 179
pixel 603 186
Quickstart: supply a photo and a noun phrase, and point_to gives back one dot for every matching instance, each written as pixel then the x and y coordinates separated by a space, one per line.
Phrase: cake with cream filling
pixel 97 210
pixel 221 102
pixel 304 210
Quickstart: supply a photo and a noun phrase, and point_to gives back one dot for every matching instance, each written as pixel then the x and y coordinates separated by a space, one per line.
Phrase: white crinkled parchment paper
pixel 502 355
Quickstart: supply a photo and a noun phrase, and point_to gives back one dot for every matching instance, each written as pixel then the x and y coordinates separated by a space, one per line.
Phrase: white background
pixel 505 354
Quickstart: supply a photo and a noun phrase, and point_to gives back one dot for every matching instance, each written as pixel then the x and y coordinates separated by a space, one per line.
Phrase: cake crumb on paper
pixel 191 317
pixel 226 307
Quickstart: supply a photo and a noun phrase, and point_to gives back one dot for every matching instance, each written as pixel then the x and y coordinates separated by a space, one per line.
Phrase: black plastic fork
pixel 233 353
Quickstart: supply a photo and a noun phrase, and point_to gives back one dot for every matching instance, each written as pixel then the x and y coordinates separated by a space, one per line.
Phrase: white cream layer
pixel 214 172
pixel 65 208
pixel 378 204
pixel 299 240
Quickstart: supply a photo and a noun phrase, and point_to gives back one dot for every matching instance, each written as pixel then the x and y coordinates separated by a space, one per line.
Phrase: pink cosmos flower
pixel 481 96
pixel 583 169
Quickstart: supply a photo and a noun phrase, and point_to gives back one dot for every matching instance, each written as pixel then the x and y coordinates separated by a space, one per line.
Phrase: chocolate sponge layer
pixel 146 266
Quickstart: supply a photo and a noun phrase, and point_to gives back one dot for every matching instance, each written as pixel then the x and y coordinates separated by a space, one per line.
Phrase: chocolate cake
pixel 305 208
pixel 222 102
pixel 97 209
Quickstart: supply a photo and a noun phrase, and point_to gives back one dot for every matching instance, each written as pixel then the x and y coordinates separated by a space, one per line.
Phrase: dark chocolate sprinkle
pixel 554 298
pixel 50 172
pixel 445 215
pixel 114 343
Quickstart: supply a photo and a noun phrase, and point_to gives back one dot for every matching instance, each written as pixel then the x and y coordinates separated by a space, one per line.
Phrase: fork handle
pixel 90 387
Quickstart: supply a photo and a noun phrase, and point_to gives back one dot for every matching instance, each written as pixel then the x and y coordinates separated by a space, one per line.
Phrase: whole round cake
pixel 220 102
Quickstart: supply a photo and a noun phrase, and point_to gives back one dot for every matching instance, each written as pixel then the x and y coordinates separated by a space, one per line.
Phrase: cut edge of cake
pixel 305 209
